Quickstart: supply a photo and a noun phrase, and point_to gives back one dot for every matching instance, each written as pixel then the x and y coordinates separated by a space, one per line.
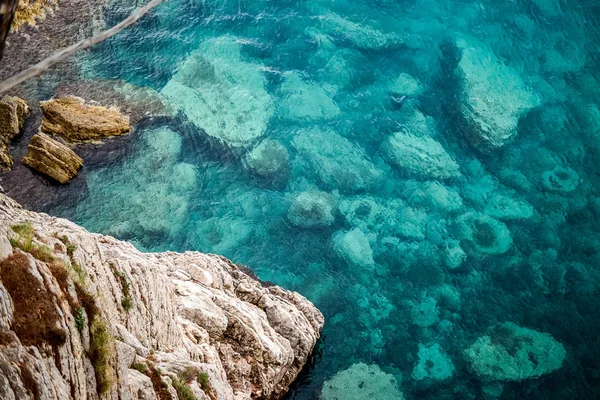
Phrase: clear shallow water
pixel 401 218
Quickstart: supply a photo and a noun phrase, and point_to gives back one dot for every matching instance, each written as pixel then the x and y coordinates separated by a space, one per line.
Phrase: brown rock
pixel 13 112
pixel 76 121
pixel 52 158
pixel 6 161
pixel 135 101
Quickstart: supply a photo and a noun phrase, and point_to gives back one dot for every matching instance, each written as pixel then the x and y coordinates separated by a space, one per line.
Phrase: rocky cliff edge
pixel 86 316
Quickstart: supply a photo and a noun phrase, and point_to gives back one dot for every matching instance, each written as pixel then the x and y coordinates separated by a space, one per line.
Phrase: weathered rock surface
pixel 13 112
pixel 169 319
pixel 52 158
pixel 135 101
pixel 76 121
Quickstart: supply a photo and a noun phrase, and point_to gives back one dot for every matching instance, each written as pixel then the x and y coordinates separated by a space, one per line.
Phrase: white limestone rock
pixel 270 331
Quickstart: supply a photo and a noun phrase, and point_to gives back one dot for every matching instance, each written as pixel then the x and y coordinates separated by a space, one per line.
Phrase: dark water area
pixel 425 171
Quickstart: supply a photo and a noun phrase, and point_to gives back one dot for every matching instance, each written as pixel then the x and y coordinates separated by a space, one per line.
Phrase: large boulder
pixel 512 353
pixel 360 382
pixel 135 101
pixel 268 159
pixel 76 121
pixel 354 247
pixel 13 112
pixel 494 97
pixel 52 158
pixel 337 162
pixel 416 153
pixel 221 93
pixel 312 210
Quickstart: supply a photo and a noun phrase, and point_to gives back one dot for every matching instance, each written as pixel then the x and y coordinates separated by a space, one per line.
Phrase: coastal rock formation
pixel 76 121
pixel 52 158
pixel 86 316
pixel 13 112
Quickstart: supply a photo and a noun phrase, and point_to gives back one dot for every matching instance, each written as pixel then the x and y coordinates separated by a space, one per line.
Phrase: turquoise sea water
pixel 424 171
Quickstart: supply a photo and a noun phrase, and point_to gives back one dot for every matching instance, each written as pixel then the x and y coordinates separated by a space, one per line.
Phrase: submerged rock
pixel 121 320
pixel 127 201
pixel 222 94
pixel 337 162
pixel 52 158
pixel 76 121
pixel 433 195
pixel 360 35
pixel 305 101
pixel 268 159
pixel 361 382
pixel 354 246
pixel 486 234
pixel 312 210
pixel 422 157
pixel 508 208
pixel 494 98
pixel 561 180
pixel 364 212
pixel 425 313
pixel 406 85
pixel 512 353
pixel 433 365
pixel 13 112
